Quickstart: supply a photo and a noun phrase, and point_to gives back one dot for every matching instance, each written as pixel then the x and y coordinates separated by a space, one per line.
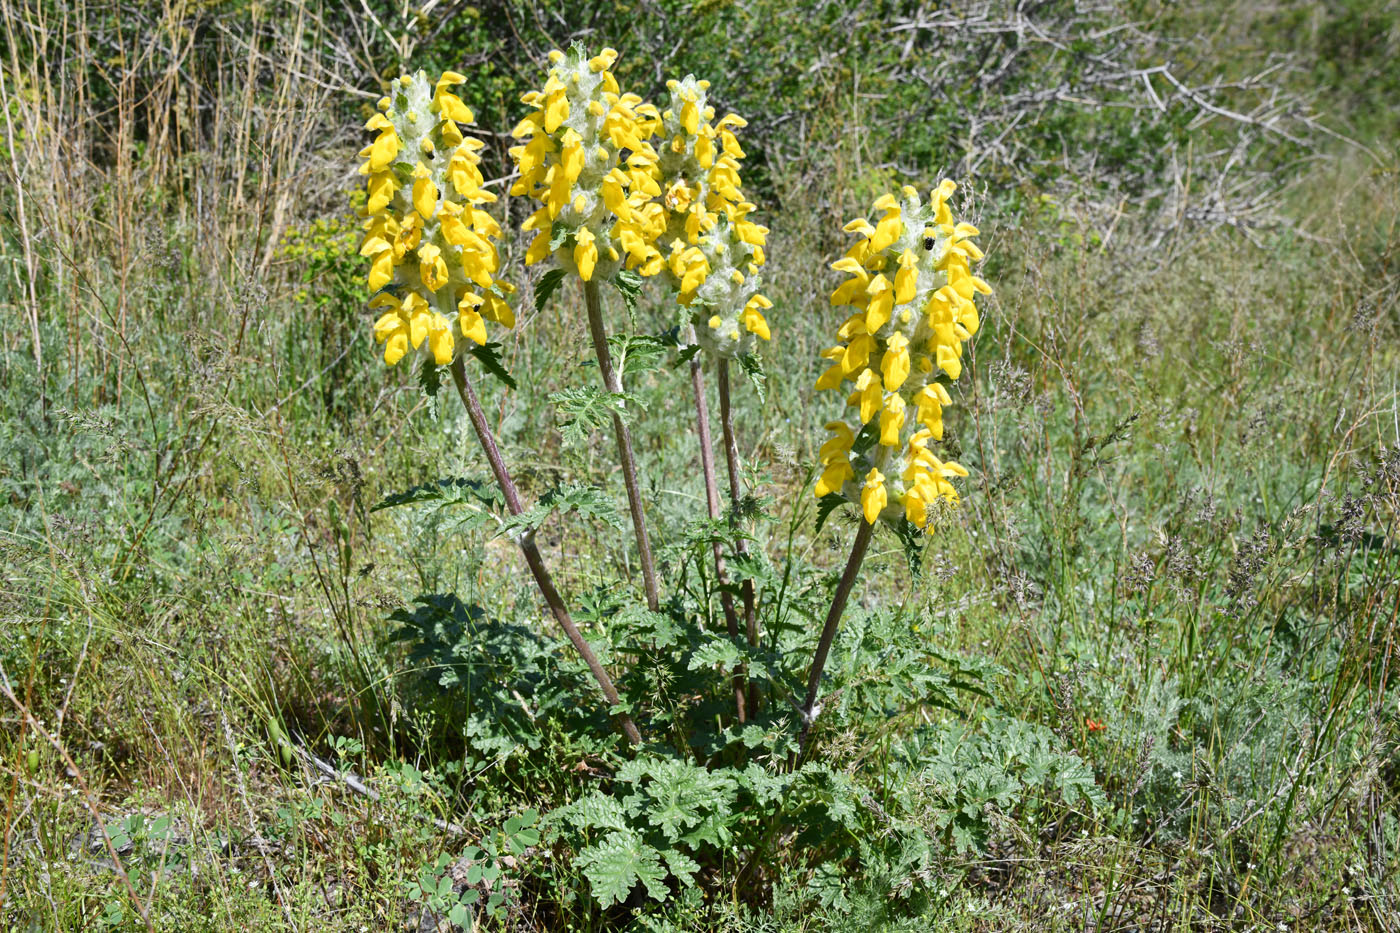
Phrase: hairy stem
pixel 833 620
pixel 526 541
pixel 613 383
pixel 731 460
pixel 707 464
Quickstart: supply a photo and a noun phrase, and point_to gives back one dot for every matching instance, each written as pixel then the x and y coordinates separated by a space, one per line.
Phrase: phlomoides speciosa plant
pixel 626 191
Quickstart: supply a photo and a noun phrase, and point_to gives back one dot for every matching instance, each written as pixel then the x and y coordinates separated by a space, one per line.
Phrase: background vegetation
pixel 1144 679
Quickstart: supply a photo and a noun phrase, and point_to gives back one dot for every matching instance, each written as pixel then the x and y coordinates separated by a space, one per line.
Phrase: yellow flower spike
pixel 873 497
pixel 712 250
pixel 585 253
pixel 571 161
pixel 908 279
pixel 437 255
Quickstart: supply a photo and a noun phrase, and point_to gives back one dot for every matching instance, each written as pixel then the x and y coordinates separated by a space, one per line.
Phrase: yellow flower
pixel 835 457
pixel 873 496
pixel 585 253
pixel 431 246
pixel 912 327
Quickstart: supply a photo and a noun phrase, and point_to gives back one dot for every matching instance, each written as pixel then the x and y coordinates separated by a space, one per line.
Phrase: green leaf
pixel 584 409
pixel 629 285
pixel 636 355
pixel 681 865
pixel 912 540
pixel 826 505
pixel 718 654
pixel 547 286
pixel 758 378
pixel 429 377
pixel 446 490
pixel 616 864
pixel 490 359
pixel 587 501
pixel 488 355
pixel 594 811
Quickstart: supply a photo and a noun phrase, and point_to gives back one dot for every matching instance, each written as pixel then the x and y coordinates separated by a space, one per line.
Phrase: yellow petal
pixel 585 254
pixel 873 497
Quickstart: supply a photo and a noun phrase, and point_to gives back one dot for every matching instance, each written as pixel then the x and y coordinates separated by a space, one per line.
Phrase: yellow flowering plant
pixel 587 159
pixel 912 292
pixel 624 192
pixel 713 252
pixel 913 295
pixel 433 277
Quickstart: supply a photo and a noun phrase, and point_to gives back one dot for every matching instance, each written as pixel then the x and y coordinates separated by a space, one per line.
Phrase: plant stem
pixel 707 464
pixel 613 383
pixel 731 460
pixel 833 619
pixel 526 540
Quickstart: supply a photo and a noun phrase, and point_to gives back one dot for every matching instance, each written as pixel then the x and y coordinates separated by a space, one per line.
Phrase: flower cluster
pixel 713 250
pixel 912 289
pixel 433 259
pixel 596 205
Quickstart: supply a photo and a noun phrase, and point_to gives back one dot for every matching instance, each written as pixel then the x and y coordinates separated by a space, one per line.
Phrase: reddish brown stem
pixel 731 460
pixel 533 559
pixel 833 620
pixel 613 383
pixel 707 464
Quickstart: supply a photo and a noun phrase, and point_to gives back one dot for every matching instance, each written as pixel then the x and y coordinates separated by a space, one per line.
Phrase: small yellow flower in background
pixel 912 291
pixel 433 259
pixel 713 249
pixel 597 211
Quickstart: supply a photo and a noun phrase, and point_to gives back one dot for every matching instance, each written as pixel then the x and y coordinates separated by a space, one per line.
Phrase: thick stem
pixel 731 460
pixel 613 383
pixel 707 464
pixel 833 619
pixel 526 541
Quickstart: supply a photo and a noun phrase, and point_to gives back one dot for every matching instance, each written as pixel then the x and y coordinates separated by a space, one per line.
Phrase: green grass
pixel 1181 524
